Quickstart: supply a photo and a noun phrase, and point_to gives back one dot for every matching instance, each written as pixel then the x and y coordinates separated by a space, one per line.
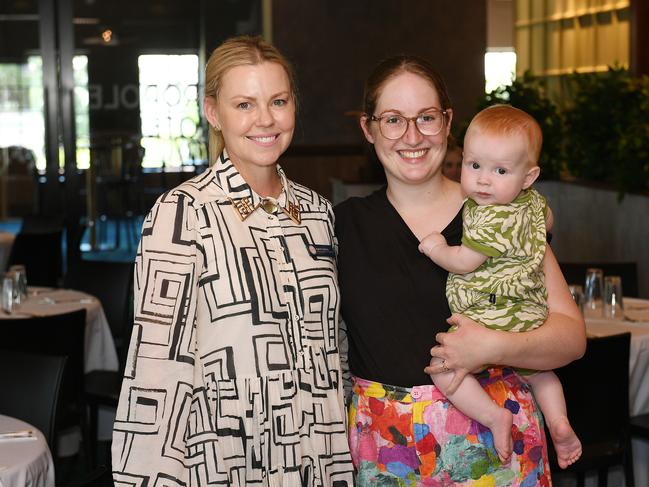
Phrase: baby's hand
pixel 549 220
pixel 431 241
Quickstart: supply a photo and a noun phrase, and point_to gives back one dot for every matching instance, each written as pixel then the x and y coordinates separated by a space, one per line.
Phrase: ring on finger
pixel 444 366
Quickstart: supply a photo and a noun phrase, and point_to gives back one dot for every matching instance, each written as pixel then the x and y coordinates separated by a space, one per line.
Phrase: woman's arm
pixel 153 420
pixel 560 340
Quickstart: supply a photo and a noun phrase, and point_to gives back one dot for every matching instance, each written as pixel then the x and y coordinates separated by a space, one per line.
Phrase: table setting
pixel 607 312
pixel 18 300
pixel 25 458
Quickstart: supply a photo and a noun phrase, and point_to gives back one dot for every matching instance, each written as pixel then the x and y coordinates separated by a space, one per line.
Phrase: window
pixel 21 107
pixel 499 69
pixel 169 110
pixel 22 121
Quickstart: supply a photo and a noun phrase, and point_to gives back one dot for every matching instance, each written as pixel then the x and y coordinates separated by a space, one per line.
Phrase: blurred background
pixel 100 102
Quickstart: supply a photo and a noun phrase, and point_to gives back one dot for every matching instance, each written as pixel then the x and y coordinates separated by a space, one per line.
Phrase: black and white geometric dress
pixel 233 375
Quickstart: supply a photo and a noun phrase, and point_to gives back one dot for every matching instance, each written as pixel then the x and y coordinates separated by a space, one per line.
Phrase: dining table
pixel 99 347
pixel 25 458
pixel 635 319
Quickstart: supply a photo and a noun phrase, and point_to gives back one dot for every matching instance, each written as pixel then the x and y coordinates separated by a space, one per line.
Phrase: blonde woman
pixel 234 373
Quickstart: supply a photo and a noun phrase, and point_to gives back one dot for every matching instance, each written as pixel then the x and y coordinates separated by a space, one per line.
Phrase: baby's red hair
pixel 503 120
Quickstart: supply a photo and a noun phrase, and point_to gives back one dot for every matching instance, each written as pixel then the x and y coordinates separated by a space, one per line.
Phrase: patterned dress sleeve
pixel 151 425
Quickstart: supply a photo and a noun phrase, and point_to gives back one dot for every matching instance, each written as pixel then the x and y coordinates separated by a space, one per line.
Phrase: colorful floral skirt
pixel 414 437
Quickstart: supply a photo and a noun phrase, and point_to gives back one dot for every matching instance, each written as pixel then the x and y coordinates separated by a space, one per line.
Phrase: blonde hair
pixel 508 120
pixel 239 51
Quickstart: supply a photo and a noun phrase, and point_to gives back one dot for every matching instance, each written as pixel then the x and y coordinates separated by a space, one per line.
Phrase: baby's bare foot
pixel 501 429
pixel 566 443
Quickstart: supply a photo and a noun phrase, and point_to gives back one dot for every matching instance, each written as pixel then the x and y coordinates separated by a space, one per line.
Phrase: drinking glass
pixel 577 293
pixel 20 282
pixel 613 304
pixel 7 292
pixel 593 290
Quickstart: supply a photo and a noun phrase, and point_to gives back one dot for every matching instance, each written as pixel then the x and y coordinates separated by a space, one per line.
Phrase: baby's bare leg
pixel 472 400
pixel 549 394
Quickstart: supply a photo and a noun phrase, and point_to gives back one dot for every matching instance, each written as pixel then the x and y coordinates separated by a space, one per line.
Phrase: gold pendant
pixel 268 206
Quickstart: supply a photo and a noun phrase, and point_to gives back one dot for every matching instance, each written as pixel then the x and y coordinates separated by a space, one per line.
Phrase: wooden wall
pixel 334 45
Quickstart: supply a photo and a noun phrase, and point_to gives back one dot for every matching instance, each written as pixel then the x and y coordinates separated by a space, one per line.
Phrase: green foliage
pixel 528 94
pixel 601 135
pixel 607 127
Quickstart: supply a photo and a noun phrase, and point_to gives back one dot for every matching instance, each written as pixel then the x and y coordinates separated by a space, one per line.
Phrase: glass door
pixel 22 121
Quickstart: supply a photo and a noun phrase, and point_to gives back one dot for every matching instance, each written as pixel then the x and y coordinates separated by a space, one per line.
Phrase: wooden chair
pixel 575 273
pixel 597 395
pixel 30 385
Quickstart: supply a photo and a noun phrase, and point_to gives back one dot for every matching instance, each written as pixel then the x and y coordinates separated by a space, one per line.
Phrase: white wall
pixel 591 225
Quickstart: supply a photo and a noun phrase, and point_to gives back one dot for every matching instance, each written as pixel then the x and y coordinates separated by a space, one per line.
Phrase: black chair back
pixel 42 256
pixel 30 385
pixel 596 388
pixel 111 283
pixel 62 334
pixel 575 273
pixel 41 224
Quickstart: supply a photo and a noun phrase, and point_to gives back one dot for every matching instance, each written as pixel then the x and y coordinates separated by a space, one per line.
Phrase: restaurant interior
pixel 101 113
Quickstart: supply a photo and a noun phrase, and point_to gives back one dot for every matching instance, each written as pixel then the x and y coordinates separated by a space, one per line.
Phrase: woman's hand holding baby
pixel 464 350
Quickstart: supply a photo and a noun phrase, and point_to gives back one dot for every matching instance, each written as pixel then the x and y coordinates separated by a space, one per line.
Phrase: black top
pixel 393 297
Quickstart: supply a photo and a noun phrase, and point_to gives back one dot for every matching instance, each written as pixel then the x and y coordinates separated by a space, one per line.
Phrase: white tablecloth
pixel 99 346
pixel 639 353
pixel 99 350
pixel 638 310
pixel 24 462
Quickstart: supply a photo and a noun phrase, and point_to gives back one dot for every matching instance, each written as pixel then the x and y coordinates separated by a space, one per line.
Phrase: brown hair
pixel 507 120
pixel 239 51
pixel 393 66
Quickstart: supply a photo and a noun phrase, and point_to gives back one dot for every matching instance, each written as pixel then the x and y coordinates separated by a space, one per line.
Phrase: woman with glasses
pixel 234 376
pixel 402 430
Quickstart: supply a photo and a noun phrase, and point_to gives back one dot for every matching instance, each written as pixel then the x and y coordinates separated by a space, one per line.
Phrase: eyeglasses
pixel 393 126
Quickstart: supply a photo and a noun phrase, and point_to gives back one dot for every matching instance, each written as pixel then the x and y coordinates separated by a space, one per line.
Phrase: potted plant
pixel 607 129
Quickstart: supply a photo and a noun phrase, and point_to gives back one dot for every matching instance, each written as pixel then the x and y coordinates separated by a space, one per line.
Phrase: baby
pixel 496 274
